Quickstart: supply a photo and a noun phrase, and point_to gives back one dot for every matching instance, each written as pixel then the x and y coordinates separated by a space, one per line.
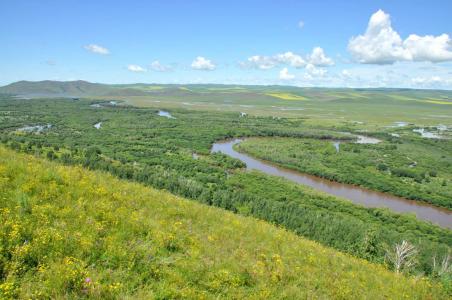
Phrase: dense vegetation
pixel 413 168
pixel 71 233
pixel 137 144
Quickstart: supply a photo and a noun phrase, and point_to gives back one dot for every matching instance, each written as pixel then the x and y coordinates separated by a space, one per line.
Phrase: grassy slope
pixel 62 225
pixel 68 89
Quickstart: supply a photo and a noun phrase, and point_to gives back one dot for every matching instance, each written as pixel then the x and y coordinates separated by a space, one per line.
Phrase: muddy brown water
pixel 356 194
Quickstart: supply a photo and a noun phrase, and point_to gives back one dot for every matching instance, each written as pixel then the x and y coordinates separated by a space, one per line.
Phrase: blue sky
pixel 304 43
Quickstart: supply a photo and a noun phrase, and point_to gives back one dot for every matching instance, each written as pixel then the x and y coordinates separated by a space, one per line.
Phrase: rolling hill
pixel 218 92
pixel 67 232
pixel 79 88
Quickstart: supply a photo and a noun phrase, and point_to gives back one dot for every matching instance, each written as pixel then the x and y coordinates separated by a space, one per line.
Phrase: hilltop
pixel 67 232
pixel 79 88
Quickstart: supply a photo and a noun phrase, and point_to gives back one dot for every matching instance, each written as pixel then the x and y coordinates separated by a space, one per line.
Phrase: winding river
pixel 356 194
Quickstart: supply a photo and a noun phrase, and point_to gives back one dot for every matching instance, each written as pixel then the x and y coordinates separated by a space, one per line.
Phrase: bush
pixel 51 155
pixel 382 167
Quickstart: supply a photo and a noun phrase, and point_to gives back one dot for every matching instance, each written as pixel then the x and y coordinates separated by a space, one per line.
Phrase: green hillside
pixel 70 233
pixel 77 88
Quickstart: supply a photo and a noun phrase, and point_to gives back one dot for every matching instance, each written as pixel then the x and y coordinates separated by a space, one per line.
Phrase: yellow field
pixel 183 88
pixel 286 96
pixel 438 102
pixel 154 88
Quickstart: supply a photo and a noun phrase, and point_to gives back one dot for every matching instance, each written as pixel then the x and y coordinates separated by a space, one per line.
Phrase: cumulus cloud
pixel 429 47
pixel 284 74
pixel 201 63
pixel 381 44
pixel 97 49
pixel 291 59
pixel 259 62
pixel 136 68
pixel 157 66
pixel 313 71
pixel 316 58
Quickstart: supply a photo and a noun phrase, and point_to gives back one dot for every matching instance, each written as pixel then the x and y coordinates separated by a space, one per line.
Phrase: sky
pixel 361 43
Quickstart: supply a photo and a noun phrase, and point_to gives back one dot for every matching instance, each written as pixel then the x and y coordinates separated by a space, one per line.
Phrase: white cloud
pixel 432 82
pixel 157 66
pixel 314 71
pixel 429 47
pixel 201 63
pixel 346 74
pixel 284 75
pixel 398 75
pixel 318 58
pixel 259 62
pixel 97 49
pixel 381 44
pixel 291 59
pixel 135 68
pixel 300 24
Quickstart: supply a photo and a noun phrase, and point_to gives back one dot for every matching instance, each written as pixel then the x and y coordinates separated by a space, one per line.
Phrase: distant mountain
pixel 77 88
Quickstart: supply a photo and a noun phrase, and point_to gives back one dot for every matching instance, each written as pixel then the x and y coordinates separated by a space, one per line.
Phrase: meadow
pixel 370 109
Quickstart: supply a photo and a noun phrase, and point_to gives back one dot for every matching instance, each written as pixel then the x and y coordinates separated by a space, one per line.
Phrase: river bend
pixel 356 194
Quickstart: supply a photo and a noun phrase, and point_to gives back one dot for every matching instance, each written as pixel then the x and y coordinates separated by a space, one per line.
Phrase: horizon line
pixel 231 84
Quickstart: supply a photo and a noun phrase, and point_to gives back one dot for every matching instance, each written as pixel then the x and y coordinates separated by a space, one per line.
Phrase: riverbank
pixel 407 167
pixel 356 194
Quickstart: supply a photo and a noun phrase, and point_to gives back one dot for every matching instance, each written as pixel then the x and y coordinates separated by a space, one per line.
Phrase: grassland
pixel 374 108
pixel 71 233
pixel 360 110
pixel 438 102
pixel 286 96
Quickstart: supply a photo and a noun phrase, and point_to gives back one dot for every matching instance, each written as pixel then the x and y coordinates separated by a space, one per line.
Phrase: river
pixel 356 194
